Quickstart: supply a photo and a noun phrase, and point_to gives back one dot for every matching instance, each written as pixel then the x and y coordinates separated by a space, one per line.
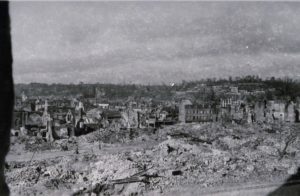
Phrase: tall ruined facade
pixel 6 90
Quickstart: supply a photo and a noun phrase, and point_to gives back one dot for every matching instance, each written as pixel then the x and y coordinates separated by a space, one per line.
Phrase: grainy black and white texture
pixel 137 98
pixel 154 42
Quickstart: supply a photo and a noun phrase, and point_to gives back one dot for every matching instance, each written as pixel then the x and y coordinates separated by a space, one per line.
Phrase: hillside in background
pixel 284 87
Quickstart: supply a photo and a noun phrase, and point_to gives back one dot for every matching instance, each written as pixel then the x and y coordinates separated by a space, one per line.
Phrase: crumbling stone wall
pixel 182 110
pixel 290 112
pixel 259 110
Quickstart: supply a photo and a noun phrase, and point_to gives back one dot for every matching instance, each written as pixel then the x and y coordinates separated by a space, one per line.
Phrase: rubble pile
pixel 211 157
pixel 204 155
pixel 68 174
pixel 67 144
pixel 112 136
pixel 38 144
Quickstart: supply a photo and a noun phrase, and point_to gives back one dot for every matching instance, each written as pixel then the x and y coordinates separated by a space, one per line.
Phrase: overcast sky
pixel 153 42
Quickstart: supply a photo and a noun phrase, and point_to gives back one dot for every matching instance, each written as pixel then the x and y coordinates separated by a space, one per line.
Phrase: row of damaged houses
pixel 52 121
pixel 62 118
pixel 277 110
pixel 239 111
pixel 55 119
pixel 228 103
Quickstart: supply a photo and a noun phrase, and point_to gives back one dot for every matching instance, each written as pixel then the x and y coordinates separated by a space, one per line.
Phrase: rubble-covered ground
pixel 154 162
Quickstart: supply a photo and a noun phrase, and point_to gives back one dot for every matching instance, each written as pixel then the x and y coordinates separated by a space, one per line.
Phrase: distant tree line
pixel 284 88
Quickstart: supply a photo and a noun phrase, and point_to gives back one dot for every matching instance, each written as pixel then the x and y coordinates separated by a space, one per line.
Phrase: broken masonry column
pixel 259 111
pixel 138 119
pixel 71 131
pixel 182 110
pixel 290 113
pixel 49 134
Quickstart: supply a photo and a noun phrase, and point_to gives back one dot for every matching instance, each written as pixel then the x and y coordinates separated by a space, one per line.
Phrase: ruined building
pixel 182 111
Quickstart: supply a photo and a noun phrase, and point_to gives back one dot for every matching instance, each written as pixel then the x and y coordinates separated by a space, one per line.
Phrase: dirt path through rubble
pixel 249 189
pixel 84 148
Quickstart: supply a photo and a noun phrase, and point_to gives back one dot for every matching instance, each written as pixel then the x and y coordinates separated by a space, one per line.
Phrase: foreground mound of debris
pixel 203 155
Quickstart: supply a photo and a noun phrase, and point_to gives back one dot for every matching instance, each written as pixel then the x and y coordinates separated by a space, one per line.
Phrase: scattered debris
pixel 179 155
